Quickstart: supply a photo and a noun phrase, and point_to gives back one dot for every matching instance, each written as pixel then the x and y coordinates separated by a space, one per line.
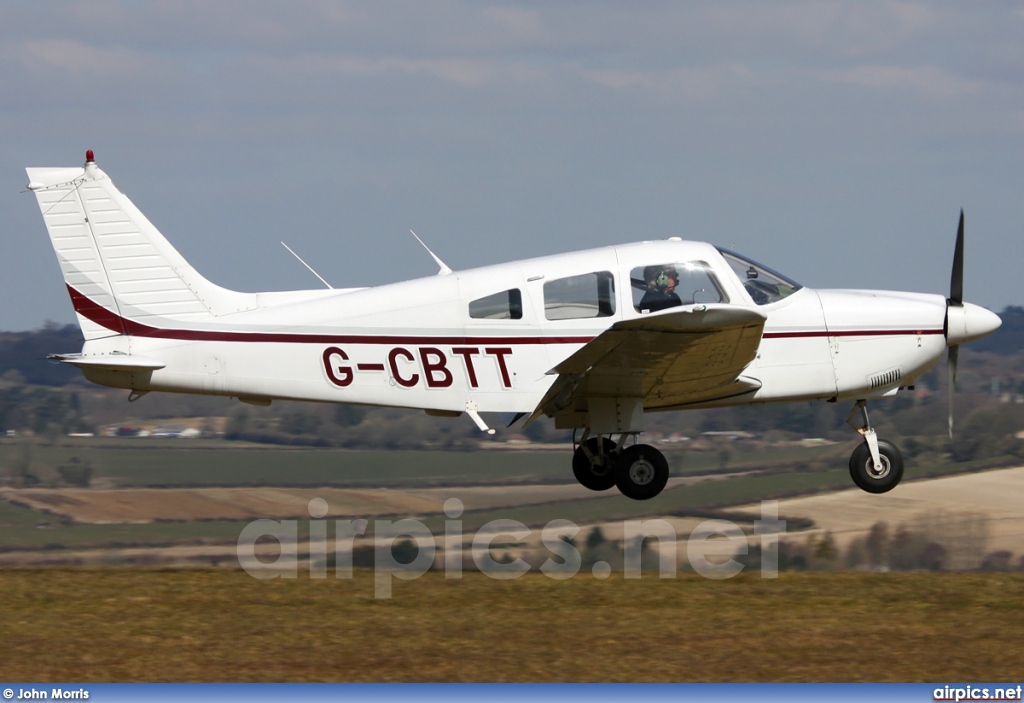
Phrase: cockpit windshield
pixel 764 285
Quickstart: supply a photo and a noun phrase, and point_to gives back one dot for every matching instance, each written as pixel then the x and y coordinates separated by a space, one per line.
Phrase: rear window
pixel 583 296
pixel 506 305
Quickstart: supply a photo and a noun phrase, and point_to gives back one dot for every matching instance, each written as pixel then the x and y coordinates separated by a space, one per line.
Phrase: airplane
pixel 593 339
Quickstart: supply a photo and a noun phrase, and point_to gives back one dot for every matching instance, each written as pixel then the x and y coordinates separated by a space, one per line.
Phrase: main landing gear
pixel 876 466
pixel 640 471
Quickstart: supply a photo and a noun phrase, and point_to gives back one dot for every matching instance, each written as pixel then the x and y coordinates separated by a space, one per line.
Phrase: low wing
pixel 671 359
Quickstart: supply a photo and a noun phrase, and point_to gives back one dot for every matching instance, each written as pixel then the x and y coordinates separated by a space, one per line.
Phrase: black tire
pixel 641 471
pixel 598 476
pixel 862 469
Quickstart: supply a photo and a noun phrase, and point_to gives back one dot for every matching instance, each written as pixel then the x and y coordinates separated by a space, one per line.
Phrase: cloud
pixel 465 72
pixel 927 81
pixel 537 126
pixel 518 26
pixel 687 83
pixel 78 59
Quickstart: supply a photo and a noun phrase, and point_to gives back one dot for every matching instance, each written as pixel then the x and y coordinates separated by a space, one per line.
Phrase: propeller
pixel 956 299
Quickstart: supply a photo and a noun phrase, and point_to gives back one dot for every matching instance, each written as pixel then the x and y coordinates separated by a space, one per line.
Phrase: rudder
pixel 117 266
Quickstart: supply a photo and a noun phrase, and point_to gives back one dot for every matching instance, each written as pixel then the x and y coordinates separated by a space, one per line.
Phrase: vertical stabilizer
pixel 118 268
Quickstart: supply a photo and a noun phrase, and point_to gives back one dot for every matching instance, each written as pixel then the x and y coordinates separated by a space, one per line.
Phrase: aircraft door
pixel 795 359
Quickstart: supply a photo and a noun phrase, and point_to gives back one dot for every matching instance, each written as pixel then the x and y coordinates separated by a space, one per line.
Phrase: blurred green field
pixel 124 463
pixel 135 463
pixel 155 534
pixel 46 532
pixel 220 625
pixel 147 462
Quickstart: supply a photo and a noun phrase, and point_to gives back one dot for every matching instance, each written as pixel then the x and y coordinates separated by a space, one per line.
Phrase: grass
pixel 155 625
pixel 160 463
pixel 134 464
pixel 25 528
pixel 153 534
pixel 19 515
pixel 25 534
pixel 677 501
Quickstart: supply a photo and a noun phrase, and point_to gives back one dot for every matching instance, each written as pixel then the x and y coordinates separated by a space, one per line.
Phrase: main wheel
pixel 862 468
pixel 641 471
pixel 595 471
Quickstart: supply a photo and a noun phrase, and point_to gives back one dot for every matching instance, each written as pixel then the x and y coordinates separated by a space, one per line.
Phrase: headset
pixel 664 279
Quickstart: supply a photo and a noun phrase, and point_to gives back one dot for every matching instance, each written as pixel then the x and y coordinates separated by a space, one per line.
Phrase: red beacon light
pixel 89 158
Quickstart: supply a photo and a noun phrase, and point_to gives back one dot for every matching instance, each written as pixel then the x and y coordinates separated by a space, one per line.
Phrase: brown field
pixel 149 504
pixel 217 625
pixel 997 496
pixel 90 505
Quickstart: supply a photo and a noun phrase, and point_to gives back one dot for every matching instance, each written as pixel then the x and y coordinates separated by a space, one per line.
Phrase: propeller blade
pixel 954 357
pixel 956 298
pixel 956 281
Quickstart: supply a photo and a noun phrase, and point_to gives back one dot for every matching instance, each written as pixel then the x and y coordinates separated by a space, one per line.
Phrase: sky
pixel 835 142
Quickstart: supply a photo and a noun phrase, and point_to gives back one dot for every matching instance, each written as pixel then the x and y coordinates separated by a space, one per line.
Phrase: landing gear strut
pixel 876 466
pixel 640 471
pixel 592 463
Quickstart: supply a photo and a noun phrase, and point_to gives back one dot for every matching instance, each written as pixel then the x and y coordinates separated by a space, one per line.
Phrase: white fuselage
pixel 415 344
pixel 593 339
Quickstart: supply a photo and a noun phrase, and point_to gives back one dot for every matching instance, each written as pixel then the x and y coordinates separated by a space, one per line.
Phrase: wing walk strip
pixel 114 322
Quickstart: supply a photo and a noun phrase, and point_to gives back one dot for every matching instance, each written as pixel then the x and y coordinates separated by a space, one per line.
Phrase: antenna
pixel 307 266
pixel 444 267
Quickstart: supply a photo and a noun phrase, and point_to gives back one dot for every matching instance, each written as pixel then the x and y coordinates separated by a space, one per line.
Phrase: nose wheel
pixel 876 466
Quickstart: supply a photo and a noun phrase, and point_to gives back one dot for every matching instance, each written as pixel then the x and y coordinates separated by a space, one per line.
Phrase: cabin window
pixel 506 305
pixel 660 286
pixel 575 297
pixel 764 285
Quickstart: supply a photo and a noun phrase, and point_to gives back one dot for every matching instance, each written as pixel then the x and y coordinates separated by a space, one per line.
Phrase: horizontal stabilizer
pixel 115 362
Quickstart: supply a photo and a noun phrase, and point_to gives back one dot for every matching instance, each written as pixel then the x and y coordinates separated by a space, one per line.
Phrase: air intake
pixel 886 378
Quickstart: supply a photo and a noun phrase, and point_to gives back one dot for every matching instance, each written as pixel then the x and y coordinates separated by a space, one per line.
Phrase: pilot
pixel 661 284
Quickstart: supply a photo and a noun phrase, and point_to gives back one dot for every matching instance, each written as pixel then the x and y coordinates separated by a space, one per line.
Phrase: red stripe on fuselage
pixel 114 322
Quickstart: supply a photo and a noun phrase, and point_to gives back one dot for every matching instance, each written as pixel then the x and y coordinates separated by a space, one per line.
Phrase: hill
pixel 1008 339
pixel 25 352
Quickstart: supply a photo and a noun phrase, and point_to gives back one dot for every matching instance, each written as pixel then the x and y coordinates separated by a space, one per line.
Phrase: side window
pixel 506 305
pixel 660 286
pixel 587 295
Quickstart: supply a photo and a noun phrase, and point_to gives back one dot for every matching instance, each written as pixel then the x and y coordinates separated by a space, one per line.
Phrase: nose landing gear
pixel 876 466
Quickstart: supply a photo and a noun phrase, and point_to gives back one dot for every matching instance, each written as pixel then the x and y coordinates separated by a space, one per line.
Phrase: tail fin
pixel 117 266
